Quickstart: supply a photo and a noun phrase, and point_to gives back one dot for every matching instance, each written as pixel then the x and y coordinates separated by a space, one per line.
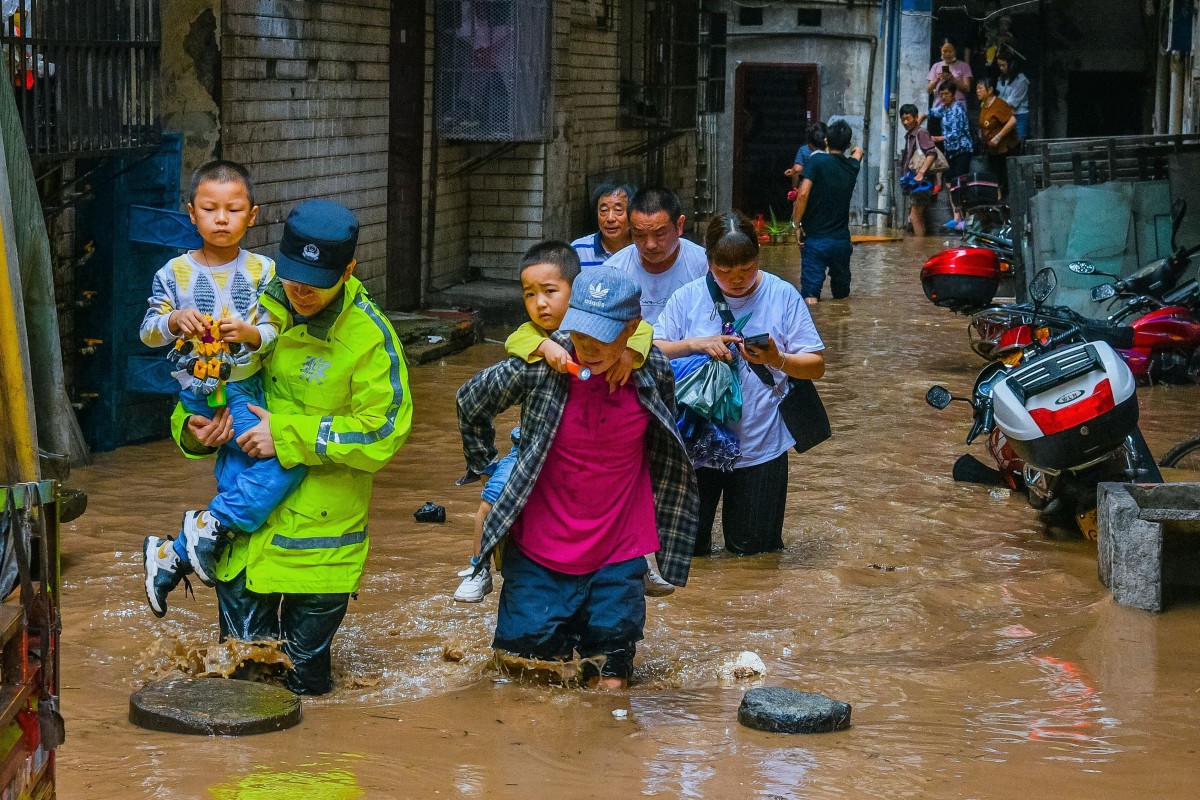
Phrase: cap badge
pixel 311 252
pixel 597 291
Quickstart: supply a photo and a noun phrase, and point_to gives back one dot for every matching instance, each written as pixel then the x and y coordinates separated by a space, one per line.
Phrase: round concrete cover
pixel 779 710
pixel 213 707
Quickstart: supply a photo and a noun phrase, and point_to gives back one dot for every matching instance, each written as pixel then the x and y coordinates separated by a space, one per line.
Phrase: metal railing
pixel 84 73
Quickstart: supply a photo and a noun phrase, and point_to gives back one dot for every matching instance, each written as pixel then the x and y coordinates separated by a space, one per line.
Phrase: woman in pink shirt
pixel 950 68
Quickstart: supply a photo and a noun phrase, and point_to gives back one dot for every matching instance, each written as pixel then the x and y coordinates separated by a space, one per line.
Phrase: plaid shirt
pixel 542 393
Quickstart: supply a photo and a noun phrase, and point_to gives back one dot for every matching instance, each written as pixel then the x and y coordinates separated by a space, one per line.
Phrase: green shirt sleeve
pixel 641 342
pixel 524 342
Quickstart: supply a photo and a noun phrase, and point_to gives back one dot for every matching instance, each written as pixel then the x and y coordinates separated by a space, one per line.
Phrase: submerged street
pixel 982 658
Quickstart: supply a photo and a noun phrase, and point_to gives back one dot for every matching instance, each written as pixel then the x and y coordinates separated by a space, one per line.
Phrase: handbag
pixel 804 414
pixel 802 410
pixel 940 164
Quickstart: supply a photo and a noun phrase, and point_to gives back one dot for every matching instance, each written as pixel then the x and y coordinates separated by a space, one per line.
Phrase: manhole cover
pixel 213 707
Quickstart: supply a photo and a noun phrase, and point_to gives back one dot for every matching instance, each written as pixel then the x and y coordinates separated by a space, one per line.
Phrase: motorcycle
pixel 1161 314
pixel 1166 338
pixel 1060 418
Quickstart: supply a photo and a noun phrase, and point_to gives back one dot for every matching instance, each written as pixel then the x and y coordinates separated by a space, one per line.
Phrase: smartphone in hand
pixel 758 341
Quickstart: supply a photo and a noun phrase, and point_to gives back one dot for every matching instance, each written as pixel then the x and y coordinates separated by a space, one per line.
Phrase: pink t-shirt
pixel 592 503
pixel 958 69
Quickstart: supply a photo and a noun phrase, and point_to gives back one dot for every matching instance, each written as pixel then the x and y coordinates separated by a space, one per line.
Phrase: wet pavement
pixel 982 658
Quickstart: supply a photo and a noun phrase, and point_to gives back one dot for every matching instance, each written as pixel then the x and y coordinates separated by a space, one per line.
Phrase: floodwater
pixel 982 658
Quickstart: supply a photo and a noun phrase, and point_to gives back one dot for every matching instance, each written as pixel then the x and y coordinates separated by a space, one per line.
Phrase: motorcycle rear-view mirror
pixel 1103 292
pixel 939 397
pixel 1043 283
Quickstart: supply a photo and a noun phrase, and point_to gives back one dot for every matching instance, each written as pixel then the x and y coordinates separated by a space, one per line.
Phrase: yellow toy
pixel 205 363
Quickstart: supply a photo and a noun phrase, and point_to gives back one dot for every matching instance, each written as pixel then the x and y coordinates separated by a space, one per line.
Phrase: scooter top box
pixel 962 279
pixel 975 189
pixel 1067 407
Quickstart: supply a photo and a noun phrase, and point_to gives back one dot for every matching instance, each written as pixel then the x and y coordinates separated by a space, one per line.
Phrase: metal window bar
pixel 84 73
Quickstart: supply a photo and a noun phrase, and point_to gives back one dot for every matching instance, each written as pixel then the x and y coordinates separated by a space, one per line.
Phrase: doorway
pixel 405 152
pixel 773 106
pixel 1090 107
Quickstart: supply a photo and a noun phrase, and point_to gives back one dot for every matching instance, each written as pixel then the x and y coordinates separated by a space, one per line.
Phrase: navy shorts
pixel 552 616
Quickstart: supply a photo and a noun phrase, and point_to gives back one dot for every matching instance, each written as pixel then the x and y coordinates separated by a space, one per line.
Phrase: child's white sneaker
pixel 163 571
pixel 655 585
pixel 473 587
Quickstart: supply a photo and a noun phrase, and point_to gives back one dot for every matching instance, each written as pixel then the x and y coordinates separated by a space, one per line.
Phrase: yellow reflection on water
pixel 336 784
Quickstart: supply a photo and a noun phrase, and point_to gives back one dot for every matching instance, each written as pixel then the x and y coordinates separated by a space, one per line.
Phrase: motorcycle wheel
pixel 1185 455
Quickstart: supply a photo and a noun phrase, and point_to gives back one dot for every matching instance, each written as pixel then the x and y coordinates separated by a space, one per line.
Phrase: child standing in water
pixel 547 270
pixel 216 286
pixel 601 480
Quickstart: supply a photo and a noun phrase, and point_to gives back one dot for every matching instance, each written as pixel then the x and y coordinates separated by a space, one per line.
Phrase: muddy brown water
pixel 982 658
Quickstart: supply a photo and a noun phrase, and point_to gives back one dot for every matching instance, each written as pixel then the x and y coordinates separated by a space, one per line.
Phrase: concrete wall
pixel 191 79
pixel 305 105
pixel 842 67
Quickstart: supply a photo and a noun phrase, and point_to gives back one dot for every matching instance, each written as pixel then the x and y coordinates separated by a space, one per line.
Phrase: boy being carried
pixel 216 290
pixel 547 271
pixel 601 480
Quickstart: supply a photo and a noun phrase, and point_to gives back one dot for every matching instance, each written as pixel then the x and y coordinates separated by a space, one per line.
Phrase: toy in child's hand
pixel 206 362
pixel 583 373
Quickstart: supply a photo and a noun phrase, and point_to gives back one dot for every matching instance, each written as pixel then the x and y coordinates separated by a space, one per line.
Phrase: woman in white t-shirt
pixel 755 491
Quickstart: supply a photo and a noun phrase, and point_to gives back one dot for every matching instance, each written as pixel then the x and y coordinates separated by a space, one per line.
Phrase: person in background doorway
pixel 814 143
pixel 956 142
pixel 611 204
pixel 950 68
pixel 1013 88
pixel 997 129
pixel 821 215
pixel 917 139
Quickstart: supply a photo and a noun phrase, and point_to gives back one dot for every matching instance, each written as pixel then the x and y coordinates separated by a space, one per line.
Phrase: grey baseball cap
pixel 603 301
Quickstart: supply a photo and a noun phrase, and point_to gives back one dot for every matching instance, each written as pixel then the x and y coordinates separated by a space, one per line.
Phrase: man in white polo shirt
pixel 659 259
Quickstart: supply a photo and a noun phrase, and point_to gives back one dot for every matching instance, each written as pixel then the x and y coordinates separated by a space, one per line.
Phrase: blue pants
pixel 548 615
pixel 821 255
pixel 499 478
pixel 248 488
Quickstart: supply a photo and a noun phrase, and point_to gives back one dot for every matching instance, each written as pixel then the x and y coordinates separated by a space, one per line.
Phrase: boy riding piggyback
pixel 601 480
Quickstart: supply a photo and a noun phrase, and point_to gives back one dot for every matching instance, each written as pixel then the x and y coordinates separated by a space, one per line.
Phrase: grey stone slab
pixel 213 707
pixel 1128 548
pixel 779 710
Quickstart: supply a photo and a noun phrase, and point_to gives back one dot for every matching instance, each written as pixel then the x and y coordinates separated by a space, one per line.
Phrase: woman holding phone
pixel 780 342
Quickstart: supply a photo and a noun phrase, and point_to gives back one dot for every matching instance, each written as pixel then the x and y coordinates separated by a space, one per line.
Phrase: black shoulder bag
pixel 802 410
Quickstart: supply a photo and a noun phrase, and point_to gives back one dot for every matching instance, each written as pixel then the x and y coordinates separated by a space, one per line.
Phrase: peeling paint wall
pixel 191 79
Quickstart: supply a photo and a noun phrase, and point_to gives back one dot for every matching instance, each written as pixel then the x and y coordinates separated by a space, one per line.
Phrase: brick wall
pixel 486 218
pixel 305 105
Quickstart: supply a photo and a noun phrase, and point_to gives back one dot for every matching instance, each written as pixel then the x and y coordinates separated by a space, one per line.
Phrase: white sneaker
pixel 473 589
pixel 655 585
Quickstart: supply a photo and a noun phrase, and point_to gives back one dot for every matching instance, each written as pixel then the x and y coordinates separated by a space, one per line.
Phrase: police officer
pixel 338 401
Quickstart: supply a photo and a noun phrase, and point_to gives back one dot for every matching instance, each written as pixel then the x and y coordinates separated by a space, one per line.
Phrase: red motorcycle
pixel 1166 328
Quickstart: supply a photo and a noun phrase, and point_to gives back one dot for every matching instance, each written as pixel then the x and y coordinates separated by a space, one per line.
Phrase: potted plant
pixel 778 231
